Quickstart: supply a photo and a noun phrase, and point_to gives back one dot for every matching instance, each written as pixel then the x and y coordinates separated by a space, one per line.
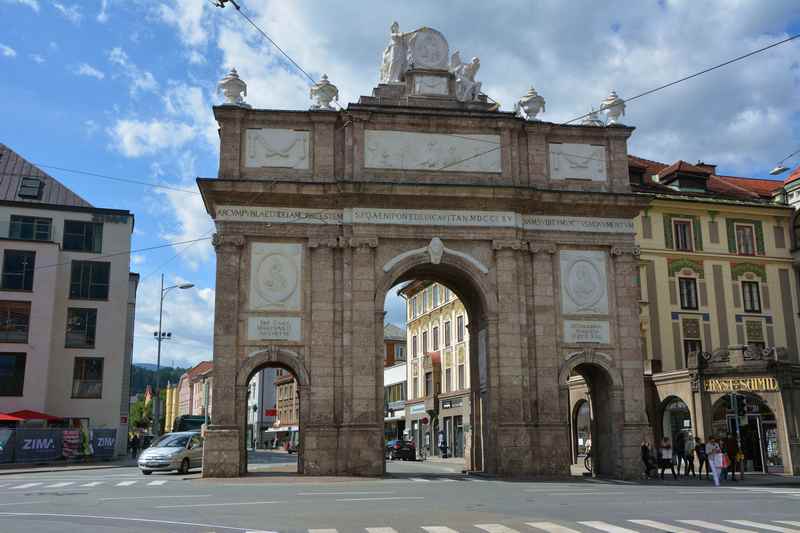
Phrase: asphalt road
pixel 413 497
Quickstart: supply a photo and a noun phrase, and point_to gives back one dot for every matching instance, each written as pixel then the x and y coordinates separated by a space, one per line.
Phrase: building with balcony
pixel 67 301
pixel 438 373
pixel 394 382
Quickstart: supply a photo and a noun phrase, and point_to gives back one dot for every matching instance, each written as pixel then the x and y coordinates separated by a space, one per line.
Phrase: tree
pixel 141 415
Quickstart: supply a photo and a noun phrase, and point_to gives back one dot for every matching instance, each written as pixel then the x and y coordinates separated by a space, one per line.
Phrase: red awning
pixel 27 414
pixel 8 418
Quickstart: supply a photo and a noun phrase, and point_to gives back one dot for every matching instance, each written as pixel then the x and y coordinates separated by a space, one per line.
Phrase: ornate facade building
pixel 719 312
pixel 438 372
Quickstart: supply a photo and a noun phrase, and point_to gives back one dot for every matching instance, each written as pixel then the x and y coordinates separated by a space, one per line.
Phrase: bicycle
pixel 587 461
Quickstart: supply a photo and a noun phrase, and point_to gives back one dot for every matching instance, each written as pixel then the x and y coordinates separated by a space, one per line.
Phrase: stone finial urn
pixel 530 105
pixel 592 119
pixel 323 93
pixel 614 107
pixel 232 88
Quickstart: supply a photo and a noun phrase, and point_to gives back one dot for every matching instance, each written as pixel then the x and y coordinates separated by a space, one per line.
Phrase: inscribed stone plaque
pixel 405 150
pixel 273 328
pixel 577 161
pixel 583 283
pixel 430 85
pixel 275 276
pixel 273 147
pixel 586 331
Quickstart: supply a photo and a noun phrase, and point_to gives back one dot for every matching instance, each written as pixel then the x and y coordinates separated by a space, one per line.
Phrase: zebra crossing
pixel 593 526
pixel 441 479
pixel 79 484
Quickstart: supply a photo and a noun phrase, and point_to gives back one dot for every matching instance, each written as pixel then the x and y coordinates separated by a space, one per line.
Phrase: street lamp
pixel 780 168
pixel 160 335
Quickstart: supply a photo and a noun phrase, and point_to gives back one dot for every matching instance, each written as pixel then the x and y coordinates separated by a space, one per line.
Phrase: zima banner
pixel 6 445
pixel 104 441
pixel 37 445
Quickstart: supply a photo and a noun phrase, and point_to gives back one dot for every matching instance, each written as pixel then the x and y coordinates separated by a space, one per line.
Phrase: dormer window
pixel 30 188
pixel 745 240
pixel 682 230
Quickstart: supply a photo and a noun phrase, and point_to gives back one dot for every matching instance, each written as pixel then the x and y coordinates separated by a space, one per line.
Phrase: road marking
pixel 26 485
pixel 213 504
pixel 343 493
pixel 390 498
pixel 419 479
pixel 716 527
pixel 476 480
pixel 763 526
pixel 496 528
pixel 381 530
pixel 92 484
pixel 438 529
pixel 23 503
pixel 582 493
pixel 128 519
pixel 125 483
pixel 788 522
pixel 62 484
pixel 154 497
pixel 604 526
pixel 323 531
pixel 551 527
pixel 663 527
pixel 159 482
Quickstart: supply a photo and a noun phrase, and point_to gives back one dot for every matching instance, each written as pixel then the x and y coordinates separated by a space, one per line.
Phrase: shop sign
pixel 419 408
pixel 449 404
pixel 104 442
pixel 764 384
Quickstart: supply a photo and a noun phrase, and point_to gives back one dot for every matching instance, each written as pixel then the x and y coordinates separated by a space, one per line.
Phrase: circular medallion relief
pixel 277 278
pixel 584 284
pixel 428 49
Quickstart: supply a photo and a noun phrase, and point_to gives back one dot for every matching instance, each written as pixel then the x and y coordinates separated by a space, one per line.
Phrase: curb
pixel 65 468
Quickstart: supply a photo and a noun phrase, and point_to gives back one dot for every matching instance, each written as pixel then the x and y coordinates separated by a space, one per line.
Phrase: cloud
pixel 90 127
pixel 37 58
pixel 33 4
pixel 141 80
pixel 102 17
pixel 187 16
pixel 84 69
pixel 135 138
pixel 71 13
pixel 7 51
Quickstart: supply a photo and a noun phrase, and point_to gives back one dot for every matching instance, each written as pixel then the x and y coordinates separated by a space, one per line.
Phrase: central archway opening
pixel 272 429
pixel 435 373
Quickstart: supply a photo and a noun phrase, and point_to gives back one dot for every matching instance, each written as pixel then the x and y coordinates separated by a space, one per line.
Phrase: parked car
pixel 173 451
pixel 401 449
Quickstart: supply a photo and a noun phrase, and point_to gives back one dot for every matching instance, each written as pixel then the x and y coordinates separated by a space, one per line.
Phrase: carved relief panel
pixel 275 276
pixel 577 161
pixel 584 284
pixel 273 147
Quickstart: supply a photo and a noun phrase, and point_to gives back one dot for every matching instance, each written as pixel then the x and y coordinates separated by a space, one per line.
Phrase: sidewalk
pixel 16 468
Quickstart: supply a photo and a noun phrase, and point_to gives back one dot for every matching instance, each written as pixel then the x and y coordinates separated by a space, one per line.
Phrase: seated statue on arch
pixel 467 89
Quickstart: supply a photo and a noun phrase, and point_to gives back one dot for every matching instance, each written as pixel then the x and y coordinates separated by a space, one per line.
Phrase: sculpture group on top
pixel 427 48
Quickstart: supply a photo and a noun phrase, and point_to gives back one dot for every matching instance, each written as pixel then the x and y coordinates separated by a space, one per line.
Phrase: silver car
pixel 173 451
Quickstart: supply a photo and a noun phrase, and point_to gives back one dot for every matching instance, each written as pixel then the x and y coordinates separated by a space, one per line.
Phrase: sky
pixel 124 88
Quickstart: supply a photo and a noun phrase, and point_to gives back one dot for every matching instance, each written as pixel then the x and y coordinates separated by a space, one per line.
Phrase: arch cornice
pixel 273 356
pixel 590 357
pixel 465 265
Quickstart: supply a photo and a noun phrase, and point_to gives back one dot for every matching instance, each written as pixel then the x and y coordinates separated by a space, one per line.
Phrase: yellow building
pixel 719 311
pixel 438 370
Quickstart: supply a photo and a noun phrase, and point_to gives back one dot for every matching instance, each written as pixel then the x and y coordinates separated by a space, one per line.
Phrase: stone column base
pixel 361 451
pixel 631 453
pixel 221 452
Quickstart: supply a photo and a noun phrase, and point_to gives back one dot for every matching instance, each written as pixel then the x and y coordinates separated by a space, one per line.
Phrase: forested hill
pixel 143 376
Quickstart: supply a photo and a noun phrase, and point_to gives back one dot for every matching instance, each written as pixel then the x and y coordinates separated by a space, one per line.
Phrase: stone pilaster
pixel 222 449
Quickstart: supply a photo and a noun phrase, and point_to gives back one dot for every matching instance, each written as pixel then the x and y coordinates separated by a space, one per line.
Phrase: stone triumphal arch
pixel 319 213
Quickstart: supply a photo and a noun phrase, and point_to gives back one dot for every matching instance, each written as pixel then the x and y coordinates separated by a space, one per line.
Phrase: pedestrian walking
pixel 665 457
pixel 702 458
pixel 732 451
pixel 688 453
pixel 680 450
pixel 714 454
pixel 647 459
pixel 135 445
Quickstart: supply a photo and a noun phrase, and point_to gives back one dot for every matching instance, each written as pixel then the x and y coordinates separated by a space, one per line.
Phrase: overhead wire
pixel 696 74
pixel 107 177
